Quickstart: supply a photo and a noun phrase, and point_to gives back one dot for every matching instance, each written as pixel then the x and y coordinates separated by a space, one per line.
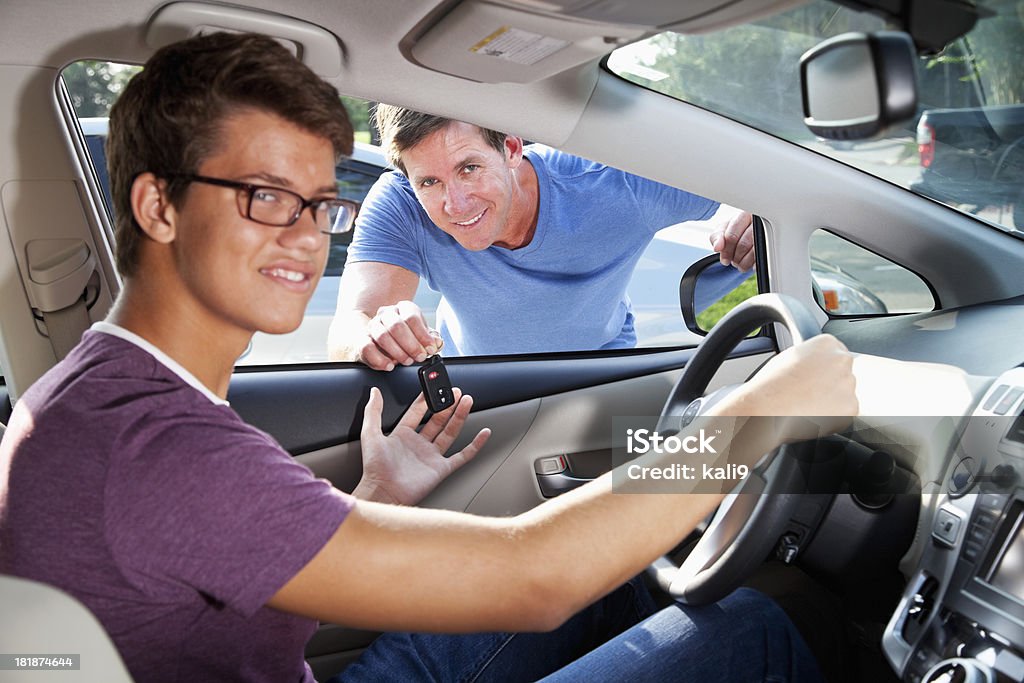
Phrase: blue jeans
pixel 745 637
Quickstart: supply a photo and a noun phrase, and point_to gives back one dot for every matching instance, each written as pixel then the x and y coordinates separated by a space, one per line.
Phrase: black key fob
pixel 437 388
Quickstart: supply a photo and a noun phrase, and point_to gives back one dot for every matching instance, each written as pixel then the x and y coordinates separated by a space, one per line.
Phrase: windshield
pixel 964 148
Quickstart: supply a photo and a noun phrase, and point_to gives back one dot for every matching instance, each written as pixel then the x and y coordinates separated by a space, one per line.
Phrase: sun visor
pixel 492 43
pixel 521 41
pixel 645 13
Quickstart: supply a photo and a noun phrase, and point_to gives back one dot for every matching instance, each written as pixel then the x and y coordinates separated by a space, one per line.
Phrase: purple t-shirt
pixel 164 513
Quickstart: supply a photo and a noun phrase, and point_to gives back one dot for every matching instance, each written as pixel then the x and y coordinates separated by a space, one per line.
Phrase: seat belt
pixel 60 274
pixel 65 327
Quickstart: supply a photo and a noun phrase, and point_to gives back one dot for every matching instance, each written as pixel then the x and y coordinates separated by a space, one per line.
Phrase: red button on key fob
pixel 437 388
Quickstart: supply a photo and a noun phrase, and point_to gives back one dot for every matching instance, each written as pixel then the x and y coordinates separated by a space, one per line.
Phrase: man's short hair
pixel 402 128
pixel 169 118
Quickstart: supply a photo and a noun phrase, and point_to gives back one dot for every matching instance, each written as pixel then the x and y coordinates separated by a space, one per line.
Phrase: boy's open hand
pixel 406 465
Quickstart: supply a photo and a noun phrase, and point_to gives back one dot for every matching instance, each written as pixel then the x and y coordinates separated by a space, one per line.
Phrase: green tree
pixel 762 88
pixel 95 86
pixel 985 67
pixel 996 44
pixel 359 114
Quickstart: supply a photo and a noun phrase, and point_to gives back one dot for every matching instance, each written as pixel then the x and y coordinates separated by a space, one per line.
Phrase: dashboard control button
pixel 979 535
pixel 992 501
pixel 1008 401
pixel 985 520
pixel 947 527
pixel 971 551
pixel 990 402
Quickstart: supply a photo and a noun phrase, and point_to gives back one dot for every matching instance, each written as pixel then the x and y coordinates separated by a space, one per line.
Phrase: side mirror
pixel 857 84
pixel 708 290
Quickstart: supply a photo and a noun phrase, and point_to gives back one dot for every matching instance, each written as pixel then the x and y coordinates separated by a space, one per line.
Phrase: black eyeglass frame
pixel 250 189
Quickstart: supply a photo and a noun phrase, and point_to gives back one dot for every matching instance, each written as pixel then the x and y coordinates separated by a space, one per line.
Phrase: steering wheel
pixel 748 522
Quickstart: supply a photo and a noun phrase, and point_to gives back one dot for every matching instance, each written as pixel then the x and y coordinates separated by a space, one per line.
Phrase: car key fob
pixel 437 388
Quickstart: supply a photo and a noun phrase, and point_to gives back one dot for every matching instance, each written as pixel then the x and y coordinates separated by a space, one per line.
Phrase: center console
pixel 961 618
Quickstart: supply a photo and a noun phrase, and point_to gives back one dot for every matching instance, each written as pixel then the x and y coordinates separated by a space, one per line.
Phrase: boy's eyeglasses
pixel 280 207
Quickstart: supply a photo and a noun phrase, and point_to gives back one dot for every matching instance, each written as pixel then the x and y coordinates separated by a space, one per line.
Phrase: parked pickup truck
pixel 973 156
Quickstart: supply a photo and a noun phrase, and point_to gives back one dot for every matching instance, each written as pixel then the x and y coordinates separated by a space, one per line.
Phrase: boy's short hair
pixel 402 128
pixel 169 117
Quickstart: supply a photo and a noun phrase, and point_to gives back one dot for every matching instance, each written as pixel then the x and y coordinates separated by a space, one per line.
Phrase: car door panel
pixel 568 411
pixel 578 424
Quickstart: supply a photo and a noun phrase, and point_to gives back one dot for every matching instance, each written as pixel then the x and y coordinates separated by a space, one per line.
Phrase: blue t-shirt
pixel 565 290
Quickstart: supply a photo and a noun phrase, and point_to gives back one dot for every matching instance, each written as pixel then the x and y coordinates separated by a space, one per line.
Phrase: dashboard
pixel 956 378
pixel 983 339
pixel 961 616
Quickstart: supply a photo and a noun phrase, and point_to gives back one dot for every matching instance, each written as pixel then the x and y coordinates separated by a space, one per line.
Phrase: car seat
pixel 41 620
